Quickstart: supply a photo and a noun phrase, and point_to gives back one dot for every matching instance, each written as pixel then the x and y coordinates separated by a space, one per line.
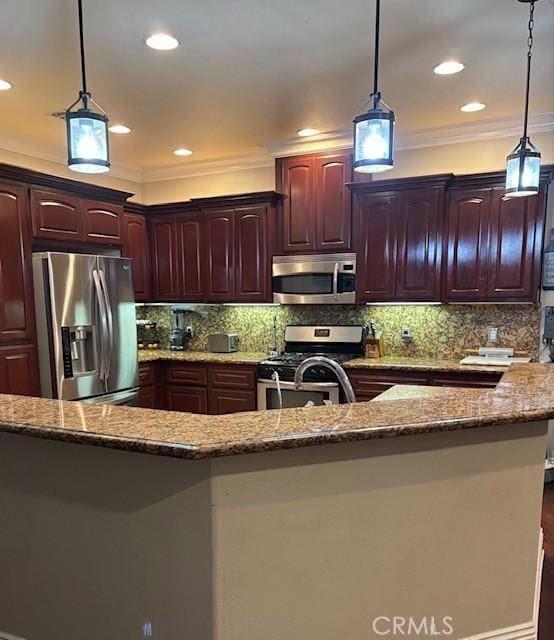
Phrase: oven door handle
pixel 336 281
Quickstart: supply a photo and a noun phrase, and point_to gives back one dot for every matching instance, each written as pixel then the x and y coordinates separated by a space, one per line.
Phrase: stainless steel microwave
pixel 315 279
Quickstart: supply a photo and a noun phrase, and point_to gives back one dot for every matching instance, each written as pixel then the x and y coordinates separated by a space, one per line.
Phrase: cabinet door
pixel 512 247
pixel 297 183
pixel 147 398
pixel 102 223
pixel 376 229
pixel 219 246
pixel 16 278
pixel 252 256
pixel 223 401
pixel 56 216
pixel 418 255
pixel 164 259
pixel 136 248
pixel 19 370
pixel 333 202
pixel 189 233
pixel 191 399
pixel 467 244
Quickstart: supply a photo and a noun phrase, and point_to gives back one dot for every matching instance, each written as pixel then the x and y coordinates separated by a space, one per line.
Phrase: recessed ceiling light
pixel 182 152
pixel 119 128
pixel 473 106
pixel 162 41
pixel 449 67
pixel 5 85
pixel 307 131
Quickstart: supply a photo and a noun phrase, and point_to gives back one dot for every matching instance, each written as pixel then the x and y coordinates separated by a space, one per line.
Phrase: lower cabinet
pixel 368 384
pixel 19 370
pixel 197 388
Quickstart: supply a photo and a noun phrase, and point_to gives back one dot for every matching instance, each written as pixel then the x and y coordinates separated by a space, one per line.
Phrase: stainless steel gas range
pixel 276 374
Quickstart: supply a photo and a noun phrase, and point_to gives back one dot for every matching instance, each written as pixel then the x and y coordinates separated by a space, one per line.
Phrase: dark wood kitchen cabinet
pixel 56 216
pixel 103 223
pixel 185 398
pixel 189 238
pixel 219 255
pixel 316 208
pixel 17 323
pixel 398 239
pixel 221 401
pixel 136 247
pixel 493 245
pixel 19 370
pixel 254 242
pixel 165 281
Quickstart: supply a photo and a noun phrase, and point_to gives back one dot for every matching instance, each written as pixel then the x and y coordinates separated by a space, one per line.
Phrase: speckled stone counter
pixel 419 364
pixel 238 357
pixel 525 393
pixel 413 392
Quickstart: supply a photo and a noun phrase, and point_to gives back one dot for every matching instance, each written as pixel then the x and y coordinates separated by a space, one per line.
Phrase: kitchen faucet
pixel 327 363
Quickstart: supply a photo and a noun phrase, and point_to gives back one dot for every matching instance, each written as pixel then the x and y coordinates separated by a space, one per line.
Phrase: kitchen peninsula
pixel 400 513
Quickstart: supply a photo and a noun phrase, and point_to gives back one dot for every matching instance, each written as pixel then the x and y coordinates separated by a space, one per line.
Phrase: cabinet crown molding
pixel 440 180
pixel 28 177
pixel 216 202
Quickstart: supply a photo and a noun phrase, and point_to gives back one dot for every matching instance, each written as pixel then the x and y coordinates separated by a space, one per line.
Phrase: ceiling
pixel 252 71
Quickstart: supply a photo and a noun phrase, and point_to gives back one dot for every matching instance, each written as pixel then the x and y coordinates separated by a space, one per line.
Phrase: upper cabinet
pixel 316 206
pixel 493 245
pixel 190 267
pixel 17 322
pixel 397 230
pixel 62 217
pixel 219 255
pixel 136 248
pixel 165 258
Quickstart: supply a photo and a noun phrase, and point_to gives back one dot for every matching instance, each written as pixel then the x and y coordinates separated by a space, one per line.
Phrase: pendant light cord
pixel 530 26
pixel 84 93
pixel 375 95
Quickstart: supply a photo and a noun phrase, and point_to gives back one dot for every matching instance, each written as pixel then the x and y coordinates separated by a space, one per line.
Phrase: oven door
pixel 325 279
pixel 316 392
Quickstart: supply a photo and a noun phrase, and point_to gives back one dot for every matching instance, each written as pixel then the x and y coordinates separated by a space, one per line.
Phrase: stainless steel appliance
pixel 320 279
pixel 178 338
pixel 223 342
pixel 86 327
pixel 337 342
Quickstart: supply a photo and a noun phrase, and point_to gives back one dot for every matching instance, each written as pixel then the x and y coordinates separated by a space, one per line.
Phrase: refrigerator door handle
pixel 109 318
pixel 103 323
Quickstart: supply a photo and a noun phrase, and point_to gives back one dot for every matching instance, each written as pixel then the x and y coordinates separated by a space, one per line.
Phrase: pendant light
pixel 524 163
pixel 87 130
pixel 374 130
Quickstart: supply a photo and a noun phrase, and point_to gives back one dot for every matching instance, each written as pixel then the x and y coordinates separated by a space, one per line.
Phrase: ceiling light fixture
pixel 374 130
pixel 307 132
pixel 87 130
pixel 449 67
pixel 5 85
pixel 162 42
pixel 523 165
pixel 119 128
pixel 182 152
pixel 470 107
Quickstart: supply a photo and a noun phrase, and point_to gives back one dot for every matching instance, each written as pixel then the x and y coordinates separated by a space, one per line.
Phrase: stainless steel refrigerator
pixel 86 326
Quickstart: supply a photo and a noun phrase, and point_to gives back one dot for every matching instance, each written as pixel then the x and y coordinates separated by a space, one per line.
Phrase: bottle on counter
pixel 548 270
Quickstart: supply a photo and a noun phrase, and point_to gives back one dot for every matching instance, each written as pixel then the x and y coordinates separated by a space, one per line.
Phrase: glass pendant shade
pixel 87 141
pixel 373 141
pixel 523 170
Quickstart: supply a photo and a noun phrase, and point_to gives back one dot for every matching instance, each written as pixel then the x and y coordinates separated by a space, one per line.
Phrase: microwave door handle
pixel 336 281
pixel 103 324
pixel 109 317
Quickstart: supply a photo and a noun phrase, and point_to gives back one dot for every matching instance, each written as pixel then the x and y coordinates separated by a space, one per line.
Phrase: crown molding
pixel 486 129
pixel 208 167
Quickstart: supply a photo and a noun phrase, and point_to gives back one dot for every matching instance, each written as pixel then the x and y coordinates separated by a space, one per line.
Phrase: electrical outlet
pixel 406 334
pixel 492 334
pixel 189 333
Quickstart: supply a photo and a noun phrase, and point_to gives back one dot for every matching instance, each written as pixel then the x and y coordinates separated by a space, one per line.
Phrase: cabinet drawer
pixel 232 377
pixel 371 383
pixel 147 374
pixel 469 380
pixel 186 374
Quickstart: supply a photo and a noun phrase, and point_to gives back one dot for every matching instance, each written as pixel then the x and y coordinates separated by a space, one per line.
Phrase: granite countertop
pixel 237 357
pixel 387 362
pixel 421 364
pixel 525 393
pixel 413 392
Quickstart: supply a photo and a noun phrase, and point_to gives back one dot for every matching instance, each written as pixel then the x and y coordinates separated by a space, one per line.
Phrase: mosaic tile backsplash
pixel 439 331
